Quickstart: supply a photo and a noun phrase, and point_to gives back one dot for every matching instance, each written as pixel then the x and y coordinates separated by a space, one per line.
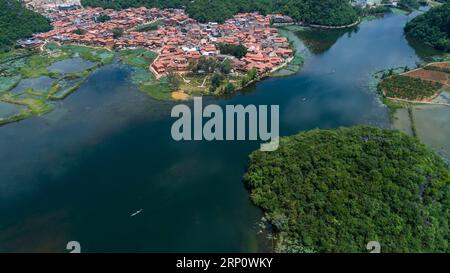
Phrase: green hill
pixel 18 22
pixel 432 27
pixel 324 12
pixel 336 190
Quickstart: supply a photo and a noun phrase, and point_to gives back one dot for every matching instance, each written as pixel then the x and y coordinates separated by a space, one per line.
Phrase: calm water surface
pixel 106 152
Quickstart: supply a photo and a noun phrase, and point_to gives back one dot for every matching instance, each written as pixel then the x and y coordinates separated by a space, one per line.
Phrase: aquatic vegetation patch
pixel 149 26
pixel 8 109
pixel 42 83
pixel 352 186
pixel 71 65
pixel 216 80
pixel 137 57
pixel 432 124
pixel 26 69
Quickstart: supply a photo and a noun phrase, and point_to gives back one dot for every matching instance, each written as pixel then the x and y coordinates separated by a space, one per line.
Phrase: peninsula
pixel 191 57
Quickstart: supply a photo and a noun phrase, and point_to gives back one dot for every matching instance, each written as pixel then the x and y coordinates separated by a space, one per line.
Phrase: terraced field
pixel 422 84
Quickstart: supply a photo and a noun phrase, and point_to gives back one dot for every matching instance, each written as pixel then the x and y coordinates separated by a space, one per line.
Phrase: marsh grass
pixel 9 82
pixel 159 91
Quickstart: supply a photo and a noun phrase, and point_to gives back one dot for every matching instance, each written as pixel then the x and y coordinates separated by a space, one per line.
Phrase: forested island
pixel 29 84
pixel 432 27
pixel 324 12
pixel 18 22
pixel 336 190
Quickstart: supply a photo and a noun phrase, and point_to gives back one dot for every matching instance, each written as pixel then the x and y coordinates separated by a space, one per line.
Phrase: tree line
pixel 324 12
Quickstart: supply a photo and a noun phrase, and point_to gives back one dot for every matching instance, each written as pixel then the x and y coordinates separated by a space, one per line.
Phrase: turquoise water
pixel 106 152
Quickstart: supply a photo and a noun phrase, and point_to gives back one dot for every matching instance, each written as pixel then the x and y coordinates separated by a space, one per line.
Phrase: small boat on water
pixel 136 213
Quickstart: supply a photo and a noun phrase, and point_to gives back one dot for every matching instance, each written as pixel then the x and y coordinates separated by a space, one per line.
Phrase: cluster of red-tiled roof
pixel 66 22
pixel 178 39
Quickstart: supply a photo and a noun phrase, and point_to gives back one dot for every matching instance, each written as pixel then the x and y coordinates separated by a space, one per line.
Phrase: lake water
pixel 433 127
pixel 106 152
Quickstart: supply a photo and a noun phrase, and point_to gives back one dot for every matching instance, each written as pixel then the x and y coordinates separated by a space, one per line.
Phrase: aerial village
pixel 177 39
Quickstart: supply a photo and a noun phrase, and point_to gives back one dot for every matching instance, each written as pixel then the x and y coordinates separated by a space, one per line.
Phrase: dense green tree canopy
pixel 336 190
pixel 17 22
pixel 432 27
pixel 324 12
